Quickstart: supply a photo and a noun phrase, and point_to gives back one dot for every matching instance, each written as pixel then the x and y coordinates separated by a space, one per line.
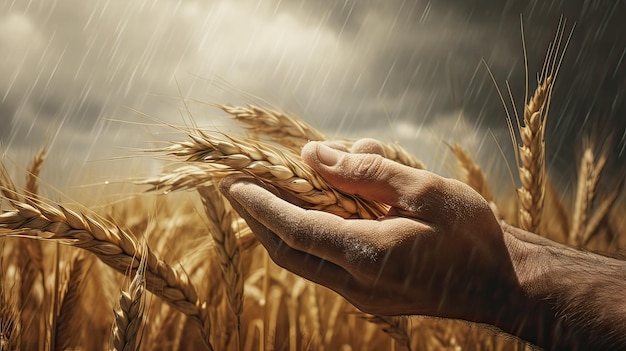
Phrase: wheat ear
pixel 69 308
pixel 293 133
pixel 32 175
pixel 29 262
pixel 600 215
pixel 129 317
pixel 284 170
pixel 397 327
pixel 228 252
pixel 112 246
pixel 473 176
pixel 288 130
pixel 399 154
pixel 532 152
pixel 532 156
pixel 588 177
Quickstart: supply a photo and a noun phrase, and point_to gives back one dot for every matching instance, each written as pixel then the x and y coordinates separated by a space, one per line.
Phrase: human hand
pixel 439 251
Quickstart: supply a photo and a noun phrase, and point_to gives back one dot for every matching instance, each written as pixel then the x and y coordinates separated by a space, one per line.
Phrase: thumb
pixel 371 176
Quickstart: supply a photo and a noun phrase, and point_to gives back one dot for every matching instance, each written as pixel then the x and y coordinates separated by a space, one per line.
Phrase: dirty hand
pixel 439 251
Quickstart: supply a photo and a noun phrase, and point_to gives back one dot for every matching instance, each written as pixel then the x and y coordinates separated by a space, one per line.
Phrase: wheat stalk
pixel 129 316
pixel 228 252
pixel 112 246
pixel 284 170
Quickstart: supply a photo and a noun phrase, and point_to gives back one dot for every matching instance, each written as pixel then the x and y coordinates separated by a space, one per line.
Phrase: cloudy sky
pixel 408 71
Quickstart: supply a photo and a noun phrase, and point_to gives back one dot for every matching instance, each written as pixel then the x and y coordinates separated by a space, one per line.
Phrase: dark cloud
pixel 346 66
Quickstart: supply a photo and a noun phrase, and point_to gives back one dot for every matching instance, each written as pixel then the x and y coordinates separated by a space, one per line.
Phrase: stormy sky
pixel 407 71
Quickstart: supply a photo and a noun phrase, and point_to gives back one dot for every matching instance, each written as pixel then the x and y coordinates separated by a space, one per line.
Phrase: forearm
pixel 569 299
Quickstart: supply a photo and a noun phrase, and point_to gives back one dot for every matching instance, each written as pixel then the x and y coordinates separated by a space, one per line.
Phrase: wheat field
pixel 175 268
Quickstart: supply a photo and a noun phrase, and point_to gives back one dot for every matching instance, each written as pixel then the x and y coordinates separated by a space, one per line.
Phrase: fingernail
pixel 327 155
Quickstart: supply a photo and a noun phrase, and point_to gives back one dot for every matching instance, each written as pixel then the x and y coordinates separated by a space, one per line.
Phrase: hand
pixel 439 251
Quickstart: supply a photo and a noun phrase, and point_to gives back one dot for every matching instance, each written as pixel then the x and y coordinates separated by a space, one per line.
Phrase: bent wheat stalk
pixel 112 246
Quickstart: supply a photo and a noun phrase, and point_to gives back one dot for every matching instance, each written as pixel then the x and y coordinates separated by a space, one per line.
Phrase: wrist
pixel 528 312
pixel 566 299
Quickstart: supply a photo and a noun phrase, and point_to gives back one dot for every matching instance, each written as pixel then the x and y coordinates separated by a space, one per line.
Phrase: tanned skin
pixel 440 251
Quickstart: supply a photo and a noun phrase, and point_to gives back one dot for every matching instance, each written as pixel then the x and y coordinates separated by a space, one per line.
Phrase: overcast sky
pixel 408 71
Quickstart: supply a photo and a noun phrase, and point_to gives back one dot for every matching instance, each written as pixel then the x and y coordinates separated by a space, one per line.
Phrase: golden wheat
pixel 113 246
pixel 532 156
pixel 220 227
pixel 42 284
pixel 289 130
pixel 282 169
pixel 129 317
pixel 588 177
pixel 69 311
pixel 473 176
pixel 32 175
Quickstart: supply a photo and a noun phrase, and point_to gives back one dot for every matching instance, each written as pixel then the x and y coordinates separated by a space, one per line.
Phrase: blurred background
pixel 90 79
